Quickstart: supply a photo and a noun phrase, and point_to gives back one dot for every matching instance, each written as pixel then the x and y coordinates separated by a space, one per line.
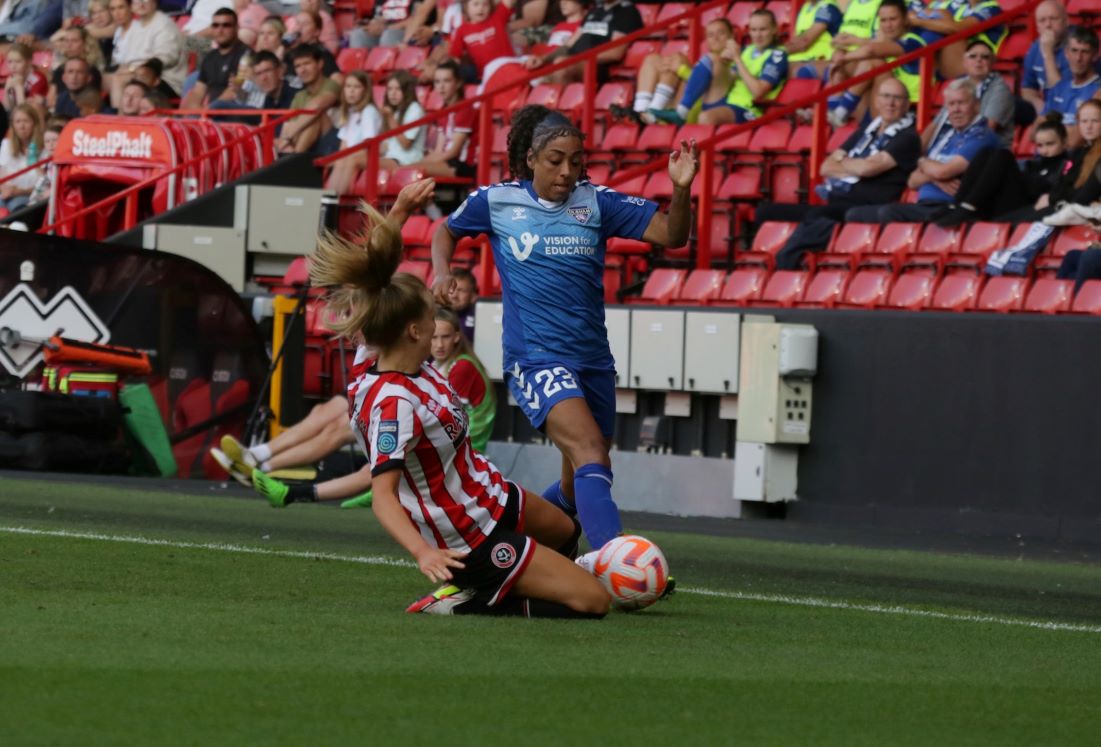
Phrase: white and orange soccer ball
pixel 633 571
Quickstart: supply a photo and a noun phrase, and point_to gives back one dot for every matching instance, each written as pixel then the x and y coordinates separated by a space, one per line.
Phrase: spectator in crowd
pixel 151 34
pixel 302 134
pixel 660 77
pixel 149 73
pixel 358 120
pixel 809 46
pixel 401 107
pixel 454 151
pixel 759 72
pixel 250 15
pixel 74 44
pixel 101 27
pixel 1081 81
pixel 76 77
pixel 121 18
pixel 50 135
pixel 154 101
pixel 572 13
pixel 395 22
pixel 309 35
pixel 937 175
pixel 24 84
pixel 17 19
pixel 995 98
pixel 462 298
pixel 21 148
pixel 994 185
pixel 533 21
pixel 132 95
pixel 857 55
pixel 89 101
pixel 612 19
pixel 858 22
pixel 941 19
pixel 327 34
pixel 227 62
pixel 269 37
pixel 453 356
pixel 481 43
pixel 1045 63
pixel 870 168
pixel 267 75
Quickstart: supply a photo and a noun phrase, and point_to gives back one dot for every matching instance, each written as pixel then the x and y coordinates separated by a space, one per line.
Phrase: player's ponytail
pixel 368 296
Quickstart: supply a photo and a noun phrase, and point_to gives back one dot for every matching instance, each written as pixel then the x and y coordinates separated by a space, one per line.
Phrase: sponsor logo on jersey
pixel 630 200
pixel 529 240
pixel 503 555
pixel 387 436
pixel 581 214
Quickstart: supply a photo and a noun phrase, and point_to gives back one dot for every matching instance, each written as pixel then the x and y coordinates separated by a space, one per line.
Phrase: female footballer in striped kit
pixel 445 503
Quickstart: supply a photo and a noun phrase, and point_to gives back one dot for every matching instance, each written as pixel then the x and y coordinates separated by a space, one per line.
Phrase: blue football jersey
pixel 551 260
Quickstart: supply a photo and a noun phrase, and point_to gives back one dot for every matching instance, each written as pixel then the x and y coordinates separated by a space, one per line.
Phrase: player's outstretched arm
pixel 443 247
pixel 411 198
pixel 433 562
pixel 671 229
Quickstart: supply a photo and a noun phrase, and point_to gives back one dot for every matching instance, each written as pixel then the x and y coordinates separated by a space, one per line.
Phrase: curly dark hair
pixel 522 136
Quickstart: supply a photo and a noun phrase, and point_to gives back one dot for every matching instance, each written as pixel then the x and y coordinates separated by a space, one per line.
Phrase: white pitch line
pixel 387 561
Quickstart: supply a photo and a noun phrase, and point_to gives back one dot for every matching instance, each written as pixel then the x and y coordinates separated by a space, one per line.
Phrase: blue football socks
pixel 599 516
pixel 554 495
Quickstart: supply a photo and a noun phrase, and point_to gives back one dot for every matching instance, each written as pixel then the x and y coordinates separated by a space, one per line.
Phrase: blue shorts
pixel 740 115
pixel 538 387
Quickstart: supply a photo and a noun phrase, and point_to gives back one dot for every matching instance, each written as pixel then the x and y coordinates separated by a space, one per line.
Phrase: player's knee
pixel 593 601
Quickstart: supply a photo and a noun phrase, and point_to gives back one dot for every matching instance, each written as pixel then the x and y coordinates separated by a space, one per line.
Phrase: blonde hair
pixel 364 79
pixel 444 314
pixel 368 295
pixel 18 146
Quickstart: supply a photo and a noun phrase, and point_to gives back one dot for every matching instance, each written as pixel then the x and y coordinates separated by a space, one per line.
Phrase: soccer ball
pixel 633 571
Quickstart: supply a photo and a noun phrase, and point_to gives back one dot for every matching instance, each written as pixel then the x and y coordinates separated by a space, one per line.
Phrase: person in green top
pixel 809 45
pixel 892 39
pixel 319 93
pixel 454 358
pixel 759 73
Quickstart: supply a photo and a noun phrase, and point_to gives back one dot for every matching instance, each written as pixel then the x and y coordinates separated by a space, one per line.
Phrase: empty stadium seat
pixel 1002 293
pixel 912 291
pixel 936 245
pixel 1073 237
pixel 661 287
pixel 981 241
pixel 702 287
pixel 545 94
pixel 825 289
pixel 867 288
pixel 743 286
pixel 784 288
pixel 849 243
pixel 351 59
pixel 572 99
pixel 956 292
pixel 1049 296
pixel 1088 300
pixel 416 268
pixel 770 238
pixel 381 59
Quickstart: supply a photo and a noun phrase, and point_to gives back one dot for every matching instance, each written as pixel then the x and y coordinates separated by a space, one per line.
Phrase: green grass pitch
pixel 248 625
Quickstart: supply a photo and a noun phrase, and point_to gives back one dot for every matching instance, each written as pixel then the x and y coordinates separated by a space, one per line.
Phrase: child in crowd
pixel 462 298
pixel 357 119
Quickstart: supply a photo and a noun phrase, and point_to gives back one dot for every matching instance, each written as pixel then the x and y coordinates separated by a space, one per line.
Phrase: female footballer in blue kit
pixel 548 230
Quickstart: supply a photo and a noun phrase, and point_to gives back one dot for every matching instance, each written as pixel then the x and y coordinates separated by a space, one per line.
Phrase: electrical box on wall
pixel 219 249
pixel 711 352
pixel 657 349
pixel 279 220
pixel 765 473
pixel 488 328
pixel 777 363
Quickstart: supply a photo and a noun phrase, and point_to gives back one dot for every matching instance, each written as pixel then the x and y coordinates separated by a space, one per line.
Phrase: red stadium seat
pixel 825 289
pixel 936 245
pixel 697 132
pixel 629 247
pixel 661 287
pixel 572 99
pixel 913 290
pixel 1074 237
pixel 620 138
pixel 676 46
pixel 802 139
pixel 838 137
pixel 636 53
pixel 773 136
pixel 796 89
pixel 1003 293
pixel 671 10
pixel 1088 300
pixel 781 9
pixel 381 59
pixel 744 184
pixel 770 238
pixel 656 139
pixel 849 244
pixel 867 288
pixel 545 94
pixel 743 286
pixel 702 287
pixel 982 240
pixel 1049 296
pixel 410 57
pixel 784 288
pixel 351 59
pixel 617 92
pixel 415 231
pixel 416 268
pixel 956 292
pixel 739 14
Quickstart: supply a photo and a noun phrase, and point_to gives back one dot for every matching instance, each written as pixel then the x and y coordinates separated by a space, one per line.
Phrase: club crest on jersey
pixel 503 555
pixel 529 240
pixel 581 214
pixel 387 439
pixel 519 213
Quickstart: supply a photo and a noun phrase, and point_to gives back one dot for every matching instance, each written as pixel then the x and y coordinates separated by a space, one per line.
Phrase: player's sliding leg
pixel 549 526
pixel 572 428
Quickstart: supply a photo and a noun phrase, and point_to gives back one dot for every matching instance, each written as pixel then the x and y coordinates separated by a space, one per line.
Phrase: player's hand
pixel 415 196
pixel 1048 40
pixel 684 163
pixel 443 288
pixel 437 564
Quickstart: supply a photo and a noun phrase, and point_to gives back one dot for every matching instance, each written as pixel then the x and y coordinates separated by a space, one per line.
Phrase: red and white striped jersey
pixel 417 424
